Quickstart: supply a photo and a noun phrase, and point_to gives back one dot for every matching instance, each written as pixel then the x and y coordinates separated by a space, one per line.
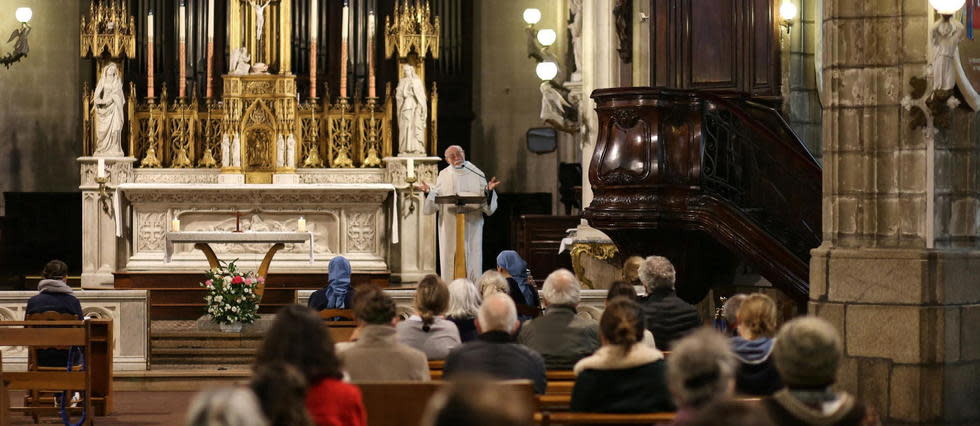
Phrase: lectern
pixel 464 203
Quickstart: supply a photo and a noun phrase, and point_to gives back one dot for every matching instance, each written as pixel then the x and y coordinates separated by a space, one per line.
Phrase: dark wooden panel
pixel 763 42
pixel 714 35
pixel 538 240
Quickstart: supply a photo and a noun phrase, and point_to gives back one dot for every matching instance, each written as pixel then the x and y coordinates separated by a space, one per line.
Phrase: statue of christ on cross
pixel 258 7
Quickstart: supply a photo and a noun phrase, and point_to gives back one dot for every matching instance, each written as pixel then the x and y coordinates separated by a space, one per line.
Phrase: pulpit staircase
pixel 710 180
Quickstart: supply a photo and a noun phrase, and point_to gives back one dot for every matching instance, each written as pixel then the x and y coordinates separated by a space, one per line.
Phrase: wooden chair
pixel 547 418
pixel 54 334
pixel 404 403
pixel 340 329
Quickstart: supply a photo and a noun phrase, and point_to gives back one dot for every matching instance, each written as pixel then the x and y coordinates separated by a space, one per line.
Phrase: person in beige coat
pixel 376 355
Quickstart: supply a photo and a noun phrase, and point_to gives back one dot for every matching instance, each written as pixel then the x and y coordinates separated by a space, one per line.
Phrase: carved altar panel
pixel 323 223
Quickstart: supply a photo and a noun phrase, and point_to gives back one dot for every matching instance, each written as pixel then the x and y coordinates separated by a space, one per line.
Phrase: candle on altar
pixel 370 28
pixel 100 172
pixel 411 168
pixel 301 224
pixel 182 52
pixel 210 89
pixel 314 36
pixel 149 56
pixel 175 225
pixel 345 22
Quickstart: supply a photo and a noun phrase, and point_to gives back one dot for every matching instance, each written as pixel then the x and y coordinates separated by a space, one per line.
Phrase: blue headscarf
pixel 517 268
pixel 339 283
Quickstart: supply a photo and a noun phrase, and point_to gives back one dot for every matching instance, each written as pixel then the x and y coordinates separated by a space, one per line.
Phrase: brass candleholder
pixel 105 196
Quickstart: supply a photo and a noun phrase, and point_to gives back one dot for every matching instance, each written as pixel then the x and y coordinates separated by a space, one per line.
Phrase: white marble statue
pixel 280 151
pixel 946 35
pixel 291 151
pixel 412 112
pixel 239 62
pixel 575 30
pixel 109 113
pixel 236 151
pixel 225 151
pixel 553 104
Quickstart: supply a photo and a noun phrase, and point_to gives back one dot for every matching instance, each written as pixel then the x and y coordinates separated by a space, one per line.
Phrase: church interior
pixel 775 204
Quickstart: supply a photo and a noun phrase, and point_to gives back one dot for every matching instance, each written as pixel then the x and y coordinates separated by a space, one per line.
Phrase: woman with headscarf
pixel 514 269
pixel 337 294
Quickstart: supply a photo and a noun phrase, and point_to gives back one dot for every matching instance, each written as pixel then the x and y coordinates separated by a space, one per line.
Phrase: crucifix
pixel 258 7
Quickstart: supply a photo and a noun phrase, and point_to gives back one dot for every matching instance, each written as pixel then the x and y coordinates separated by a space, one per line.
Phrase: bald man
pixel 460 178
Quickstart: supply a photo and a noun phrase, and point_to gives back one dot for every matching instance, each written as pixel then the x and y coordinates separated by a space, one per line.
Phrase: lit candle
pixel 343 51
pixel 301 224
pixel 182 52
pixel 411 168
pixel 100 172
pixel 370 28
pixel 149 56
pixel 210 88
pixel 175 225
pixel 314 36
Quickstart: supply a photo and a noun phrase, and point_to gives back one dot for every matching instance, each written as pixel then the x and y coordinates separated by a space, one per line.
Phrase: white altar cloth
pixel 120 189
pixel 236 237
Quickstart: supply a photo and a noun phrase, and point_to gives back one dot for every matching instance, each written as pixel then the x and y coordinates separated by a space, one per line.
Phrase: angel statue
pixel 109 114
pixel 556 111
pixel 20 34
pixel 239 61
pixel 412 112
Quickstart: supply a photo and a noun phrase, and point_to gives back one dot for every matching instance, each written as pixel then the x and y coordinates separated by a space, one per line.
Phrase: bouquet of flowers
pixel 231 295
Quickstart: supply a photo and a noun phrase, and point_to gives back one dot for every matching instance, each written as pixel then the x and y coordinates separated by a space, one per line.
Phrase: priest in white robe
pixel 460 178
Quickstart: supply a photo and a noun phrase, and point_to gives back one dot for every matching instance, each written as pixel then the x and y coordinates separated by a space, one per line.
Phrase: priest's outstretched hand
pixel 493 183
pixel 422 186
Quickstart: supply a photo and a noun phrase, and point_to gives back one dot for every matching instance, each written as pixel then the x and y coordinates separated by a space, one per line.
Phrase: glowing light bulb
pixel 947 7
pixel 547 37
pixel 532 16
pixel 546 70
pixel 23 14
pixel 787 10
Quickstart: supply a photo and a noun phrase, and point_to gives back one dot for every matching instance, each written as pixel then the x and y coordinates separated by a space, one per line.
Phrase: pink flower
pixel 208 283
pixel 237 280
pixel 261 280
pixel 248 281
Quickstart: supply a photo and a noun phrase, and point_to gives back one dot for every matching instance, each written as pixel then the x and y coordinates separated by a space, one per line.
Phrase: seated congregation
pixel 645 355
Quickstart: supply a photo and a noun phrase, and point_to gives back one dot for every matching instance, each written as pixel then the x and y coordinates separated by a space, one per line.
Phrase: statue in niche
pixel 239 62
pixel 258 7
pixel 412 112
pixel 225 151
pixel 291 151
pixel 236 151
pixel 946 35
pixel 575 30
pixel 109 114
pixel 280 152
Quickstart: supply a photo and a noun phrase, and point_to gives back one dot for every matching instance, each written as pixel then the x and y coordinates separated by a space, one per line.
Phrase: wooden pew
pixel 340 330
pixel 67 333
pixel 547 418
pixel 4 397
pixel 404 403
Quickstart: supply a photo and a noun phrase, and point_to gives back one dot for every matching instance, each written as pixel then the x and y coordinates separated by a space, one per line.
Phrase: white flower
pixel 218 298
pixel 227 280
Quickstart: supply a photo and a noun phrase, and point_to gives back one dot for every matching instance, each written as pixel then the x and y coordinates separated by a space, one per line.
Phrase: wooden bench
pixel 342 329
pixel 404 403
pixel 546 418
pixel 4 397
pixel 54 334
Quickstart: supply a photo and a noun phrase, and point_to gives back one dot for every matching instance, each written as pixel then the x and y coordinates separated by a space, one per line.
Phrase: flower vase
pixel 235 327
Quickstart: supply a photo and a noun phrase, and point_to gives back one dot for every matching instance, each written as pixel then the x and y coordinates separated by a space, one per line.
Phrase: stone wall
pixel 896 273
pixel 40 97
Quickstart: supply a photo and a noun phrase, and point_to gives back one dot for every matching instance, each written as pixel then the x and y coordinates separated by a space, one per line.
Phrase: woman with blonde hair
pixel 427 330
pixel 756 374
pixel 492 282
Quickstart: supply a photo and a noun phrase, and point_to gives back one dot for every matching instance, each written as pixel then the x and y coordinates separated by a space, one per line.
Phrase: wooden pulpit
pixel 464 203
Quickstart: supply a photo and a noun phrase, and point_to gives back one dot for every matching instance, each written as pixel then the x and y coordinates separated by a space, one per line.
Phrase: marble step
pixel 203 356
pixel 197 339
pixel 185 379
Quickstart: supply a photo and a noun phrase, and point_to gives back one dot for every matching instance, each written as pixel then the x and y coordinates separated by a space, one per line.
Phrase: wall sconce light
pixel 547 37
pixel 19 37
pixel 532 16
pixel 947 8
pixel 787 13
pixel 546 70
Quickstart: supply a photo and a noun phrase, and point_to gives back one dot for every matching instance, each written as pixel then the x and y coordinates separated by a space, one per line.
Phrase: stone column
pixel 100 246
pixel 415 254
pixel 887 275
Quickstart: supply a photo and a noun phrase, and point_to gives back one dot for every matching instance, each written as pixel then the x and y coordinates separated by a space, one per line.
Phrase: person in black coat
pixel 494 352
pixel 668 317
pixel 624 375
pixel 54 295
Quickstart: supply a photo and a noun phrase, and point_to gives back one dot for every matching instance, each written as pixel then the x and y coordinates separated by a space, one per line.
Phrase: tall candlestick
pixel 182 50
pixel 314 36
pixel 101 168
pixel 411 168
pixel 343 52
pixel 149 56
pixel 370 28
pixel 210 89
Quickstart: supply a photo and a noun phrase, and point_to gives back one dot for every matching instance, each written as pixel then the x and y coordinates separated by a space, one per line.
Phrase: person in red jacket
pixel 298 338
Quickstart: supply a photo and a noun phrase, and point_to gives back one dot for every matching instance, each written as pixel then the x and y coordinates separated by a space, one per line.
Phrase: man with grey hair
pixel 460 178
pixel 494 352
pixel 700 370
pixel 560 335
pixel 668 316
